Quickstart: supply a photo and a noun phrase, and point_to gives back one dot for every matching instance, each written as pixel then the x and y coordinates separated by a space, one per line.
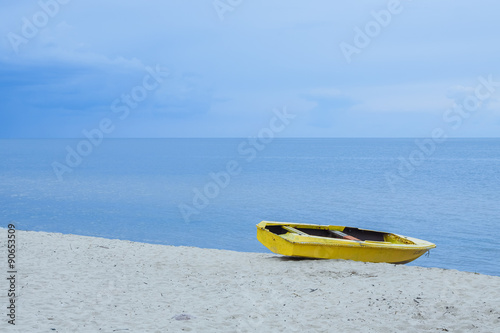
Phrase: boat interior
pixel 348 233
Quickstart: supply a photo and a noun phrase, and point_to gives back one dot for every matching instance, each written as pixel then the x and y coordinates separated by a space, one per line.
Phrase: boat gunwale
pixel 419 244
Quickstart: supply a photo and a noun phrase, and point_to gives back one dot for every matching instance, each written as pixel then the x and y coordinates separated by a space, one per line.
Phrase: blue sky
pixel 344 69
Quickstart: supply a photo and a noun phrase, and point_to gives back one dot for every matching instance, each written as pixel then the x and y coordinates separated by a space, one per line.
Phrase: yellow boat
pixel 337 242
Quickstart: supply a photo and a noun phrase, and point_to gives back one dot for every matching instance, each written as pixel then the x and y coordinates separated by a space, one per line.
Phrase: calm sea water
pixel 212 192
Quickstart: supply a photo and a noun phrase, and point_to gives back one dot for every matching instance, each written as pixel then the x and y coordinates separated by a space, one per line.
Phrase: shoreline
pixel 88 284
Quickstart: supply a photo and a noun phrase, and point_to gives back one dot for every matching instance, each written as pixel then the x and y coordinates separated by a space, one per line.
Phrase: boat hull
pixel 395 249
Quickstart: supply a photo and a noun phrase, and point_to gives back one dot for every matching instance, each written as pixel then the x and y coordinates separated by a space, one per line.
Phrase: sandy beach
pixel 68 283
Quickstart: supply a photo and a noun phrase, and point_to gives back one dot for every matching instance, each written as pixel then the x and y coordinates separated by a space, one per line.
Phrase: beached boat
pixel 338 242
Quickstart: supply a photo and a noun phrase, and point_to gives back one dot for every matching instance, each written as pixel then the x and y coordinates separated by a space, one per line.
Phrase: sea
pixel 211 193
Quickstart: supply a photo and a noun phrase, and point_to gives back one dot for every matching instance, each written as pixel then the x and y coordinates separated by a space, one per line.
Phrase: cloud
pixel 330 104
pixel 183 95
pixel 459 95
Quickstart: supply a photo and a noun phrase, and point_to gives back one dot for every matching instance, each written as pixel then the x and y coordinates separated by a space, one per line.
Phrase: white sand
pixel 70 283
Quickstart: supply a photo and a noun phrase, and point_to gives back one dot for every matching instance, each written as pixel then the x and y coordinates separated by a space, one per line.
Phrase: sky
pixel 226 68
